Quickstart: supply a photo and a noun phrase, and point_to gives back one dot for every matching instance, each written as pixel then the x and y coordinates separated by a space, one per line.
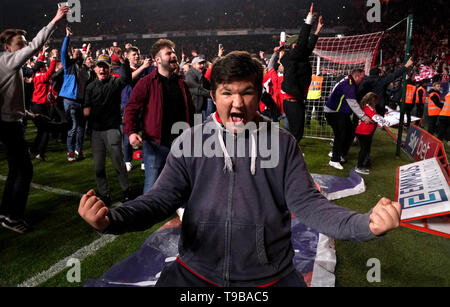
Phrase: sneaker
pixel 79 154
pixel 362 170
pixel 39 157
pixel 129 166
pixel 71 157
pixel 330 154
pixel 19 226
pixel 336 165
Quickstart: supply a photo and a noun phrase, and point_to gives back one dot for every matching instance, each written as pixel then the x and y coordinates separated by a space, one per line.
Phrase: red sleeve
pixel 50 70
pixel 41 57
pixel 369 112
pixel 208 74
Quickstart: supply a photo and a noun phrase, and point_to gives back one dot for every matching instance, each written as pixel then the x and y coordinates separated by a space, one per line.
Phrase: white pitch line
pixel 79 254
pixel 50 189
pixel 58 267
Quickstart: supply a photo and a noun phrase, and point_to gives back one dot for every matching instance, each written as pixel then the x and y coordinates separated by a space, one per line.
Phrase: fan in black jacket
pixel 297 74
pixel 377 82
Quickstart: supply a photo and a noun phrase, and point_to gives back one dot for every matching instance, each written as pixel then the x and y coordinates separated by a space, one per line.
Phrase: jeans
pixel 20 170
pixel 75 135
pixel 154 159
pixel 210 108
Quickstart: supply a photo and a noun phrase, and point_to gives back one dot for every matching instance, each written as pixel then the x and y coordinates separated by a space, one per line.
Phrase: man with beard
pixel 158 100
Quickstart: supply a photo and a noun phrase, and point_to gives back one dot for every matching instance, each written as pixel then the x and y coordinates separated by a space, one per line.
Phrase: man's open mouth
pixel 237 117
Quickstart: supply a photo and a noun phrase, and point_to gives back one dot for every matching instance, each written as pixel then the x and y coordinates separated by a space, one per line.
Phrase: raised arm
pixel 15 60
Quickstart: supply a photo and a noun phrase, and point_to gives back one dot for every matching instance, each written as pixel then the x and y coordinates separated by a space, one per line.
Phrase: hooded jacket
pixel 236 228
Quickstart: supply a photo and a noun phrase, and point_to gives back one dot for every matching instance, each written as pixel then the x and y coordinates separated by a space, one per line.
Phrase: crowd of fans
pixel 430 48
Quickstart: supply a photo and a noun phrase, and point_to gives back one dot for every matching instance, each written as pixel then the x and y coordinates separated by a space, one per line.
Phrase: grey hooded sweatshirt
pixel 236 227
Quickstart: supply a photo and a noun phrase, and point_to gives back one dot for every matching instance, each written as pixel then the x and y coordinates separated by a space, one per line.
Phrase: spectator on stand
pixel 20 168
pixel 158 100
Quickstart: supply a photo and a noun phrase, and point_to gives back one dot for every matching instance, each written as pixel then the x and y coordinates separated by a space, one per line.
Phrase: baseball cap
pixel 292 39
pixel 103 58
pixel 198 59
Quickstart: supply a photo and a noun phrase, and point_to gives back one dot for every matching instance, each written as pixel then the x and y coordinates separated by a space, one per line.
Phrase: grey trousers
pixel 108 141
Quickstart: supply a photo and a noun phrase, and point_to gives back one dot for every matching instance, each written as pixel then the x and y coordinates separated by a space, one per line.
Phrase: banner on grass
pixel 423 191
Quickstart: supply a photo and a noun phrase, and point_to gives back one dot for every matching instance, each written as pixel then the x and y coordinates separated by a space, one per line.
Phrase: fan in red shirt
pixel 41 106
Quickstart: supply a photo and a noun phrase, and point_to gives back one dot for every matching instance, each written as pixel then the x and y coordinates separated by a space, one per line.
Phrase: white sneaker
pixel 143 166
pixel 129 166
pixel 330 154
pixel 362 170
pixel 336 165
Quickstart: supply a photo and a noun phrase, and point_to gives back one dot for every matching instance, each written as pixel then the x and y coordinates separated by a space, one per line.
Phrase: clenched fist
pixel 93 210
pixel 385 216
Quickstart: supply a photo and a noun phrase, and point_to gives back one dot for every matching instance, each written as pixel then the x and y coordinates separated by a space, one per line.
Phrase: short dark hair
pixel 374 71
pixel 236 66
pixel 7 35
pixel 357 71
pixel 160 44
pixel 132 49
